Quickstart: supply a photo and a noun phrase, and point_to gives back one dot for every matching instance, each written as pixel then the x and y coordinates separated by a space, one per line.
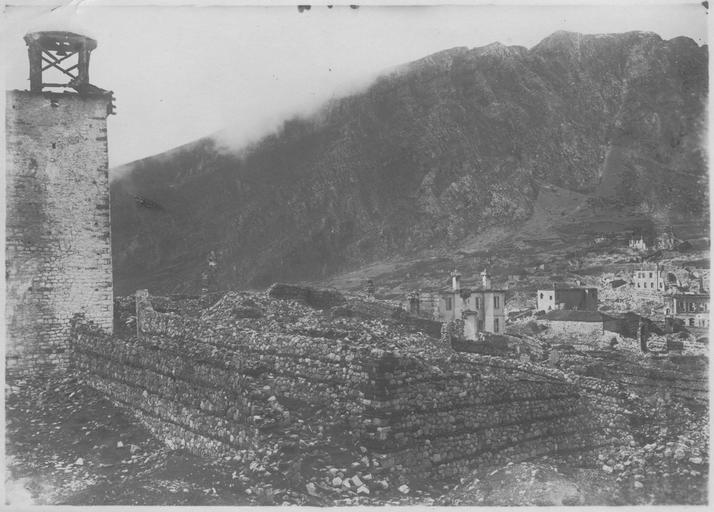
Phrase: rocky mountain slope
pixel 437 151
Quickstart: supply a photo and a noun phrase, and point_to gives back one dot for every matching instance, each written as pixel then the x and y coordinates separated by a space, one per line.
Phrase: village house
pixel 482 309
pixel 690 308
pixel 650 278
pixel 638 243
pixel 568 298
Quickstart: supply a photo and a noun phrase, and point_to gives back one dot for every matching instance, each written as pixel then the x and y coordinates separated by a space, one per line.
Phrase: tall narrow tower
pixel 58 246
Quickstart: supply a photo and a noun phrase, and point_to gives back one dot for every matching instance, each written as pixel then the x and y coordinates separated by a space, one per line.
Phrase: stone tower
pixel 58 246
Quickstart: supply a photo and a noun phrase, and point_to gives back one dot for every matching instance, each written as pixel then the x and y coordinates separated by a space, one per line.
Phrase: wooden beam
pixel 53 64
pixel 35 55
pixel 57 61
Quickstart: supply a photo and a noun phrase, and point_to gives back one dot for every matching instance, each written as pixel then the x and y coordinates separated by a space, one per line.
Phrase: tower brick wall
pixel 58 246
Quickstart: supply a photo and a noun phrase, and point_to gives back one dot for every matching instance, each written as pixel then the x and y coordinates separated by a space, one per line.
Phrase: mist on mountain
pixel 429 154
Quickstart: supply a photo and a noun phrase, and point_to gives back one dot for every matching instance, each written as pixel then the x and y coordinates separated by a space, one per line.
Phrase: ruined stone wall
pixel 560 328
pixel 306 295
pixel 209 389
pixel 681 378
pixel 58 249
pixel 439 421
pixel 216 390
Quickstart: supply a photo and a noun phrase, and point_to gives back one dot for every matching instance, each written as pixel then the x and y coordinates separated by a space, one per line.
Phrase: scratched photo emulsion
pixel 355 255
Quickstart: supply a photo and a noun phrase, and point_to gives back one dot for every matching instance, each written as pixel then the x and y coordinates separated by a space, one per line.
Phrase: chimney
pixel 485 280
pixel 455 281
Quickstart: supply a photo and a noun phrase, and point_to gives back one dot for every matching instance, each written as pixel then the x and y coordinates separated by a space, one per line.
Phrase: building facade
pixel 482 309
pixel 568 298
pixel 638 243
pixel 58 245
pixel 690 308
pixel 649 278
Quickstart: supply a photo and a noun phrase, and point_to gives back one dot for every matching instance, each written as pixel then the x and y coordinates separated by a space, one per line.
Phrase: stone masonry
pixel 203 387
pixel 58 247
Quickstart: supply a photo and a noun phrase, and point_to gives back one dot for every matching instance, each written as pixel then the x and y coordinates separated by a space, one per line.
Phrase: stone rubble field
pixel 69 444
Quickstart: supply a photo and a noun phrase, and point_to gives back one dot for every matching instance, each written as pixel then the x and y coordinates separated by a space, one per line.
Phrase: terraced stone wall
pixel 678 377
pixel 217 390
pixel 213 391
pixel 441 420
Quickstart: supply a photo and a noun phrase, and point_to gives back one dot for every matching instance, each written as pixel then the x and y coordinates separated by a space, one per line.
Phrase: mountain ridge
pixel 434 152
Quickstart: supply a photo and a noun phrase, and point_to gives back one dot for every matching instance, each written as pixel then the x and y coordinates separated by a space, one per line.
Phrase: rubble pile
pixel 666 461
pixel 350 406
pixel 627 299
pixel 227 381
pixel 309 296
pixel 684 378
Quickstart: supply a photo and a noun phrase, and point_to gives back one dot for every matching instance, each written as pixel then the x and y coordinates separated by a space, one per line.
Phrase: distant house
pixel 650 278
pixel 638 243
pixel 482 309
pixel 690 308
pixel 568 298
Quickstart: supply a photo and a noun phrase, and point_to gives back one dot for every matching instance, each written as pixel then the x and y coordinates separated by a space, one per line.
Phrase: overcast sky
pixel 180 73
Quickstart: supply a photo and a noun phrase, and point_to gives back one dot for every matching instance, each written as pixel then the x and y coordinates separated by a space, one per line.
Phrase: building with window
pixel 568 298
pixel 482 309
pixel 690 308
pixel 638 243
pixel 649 278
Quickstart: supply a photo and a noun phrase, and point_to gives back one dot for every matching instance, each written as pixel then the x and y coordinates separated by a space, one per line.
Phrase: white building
pixel 482 309
pixel 650 278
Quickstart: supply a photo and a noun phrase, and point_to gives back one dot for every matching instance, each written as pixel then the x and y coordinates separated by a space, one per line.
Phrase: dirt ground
pixel 66 444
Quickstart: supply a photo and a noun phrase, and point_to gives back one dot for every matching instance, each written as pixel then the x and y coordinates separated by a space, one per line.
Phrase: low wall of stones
pixel 306 295
pixel 684 378
pixel 209 390
pixel 216 390
pixel 435 421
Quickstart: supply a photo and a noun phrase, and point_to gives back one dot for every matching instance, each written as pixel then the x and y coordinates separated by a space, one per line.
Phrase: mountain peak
pixel 566 38
pixel 424 160
pixel 497 49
